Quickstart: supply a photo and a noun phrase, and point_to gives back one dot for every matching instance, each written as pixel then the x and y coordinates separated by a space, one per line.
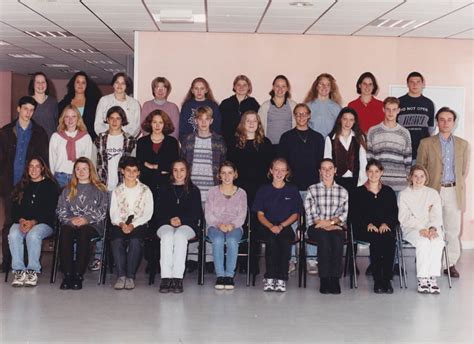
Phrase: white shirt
pixel 114 152
pixel 131 197
pixel 346 142
pixel 130 105
pixel 58 155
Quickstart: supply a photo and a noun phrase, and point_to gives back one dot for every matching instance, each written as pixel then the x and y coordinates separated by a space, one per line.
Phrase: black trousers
pixel 127 250
pixel 277 251
pixel 82 236
pixel 382 255
pixel 330 250
pixel 7 257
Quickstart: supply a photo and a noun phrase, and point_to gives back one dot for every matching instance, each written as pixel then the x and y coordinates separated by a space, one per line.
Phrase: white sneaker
pixel 434 289
pixel 31 279
pixel 280 286
pixel 291 267
pixel 312 267
pixel 19 278
pixel 268 284
pixel 423 286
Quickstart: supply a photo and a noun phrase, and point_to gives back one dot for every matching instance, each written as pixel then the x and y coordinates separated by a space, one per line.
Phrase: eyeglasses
pixel 302 114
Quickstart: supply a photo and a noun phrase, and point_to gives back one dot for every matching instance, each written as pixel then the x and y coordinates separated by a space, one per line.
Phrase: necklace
pixel 177 197
pixel 303 138
pixel 36 188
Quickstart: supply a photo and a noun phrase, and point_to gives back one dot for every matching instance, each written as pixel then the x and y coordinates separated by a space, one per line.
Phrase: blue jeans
pixel 34 239
pixel 62 178
pixel 231 240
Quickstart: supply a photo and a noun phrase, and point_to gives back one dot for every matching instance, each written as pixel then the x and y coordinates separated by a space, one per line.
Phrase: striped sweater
pixel 392 147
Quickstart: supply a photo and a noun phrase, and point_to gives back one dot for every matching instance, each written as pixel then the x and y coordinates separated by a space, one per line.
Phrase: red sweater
pixel 369 114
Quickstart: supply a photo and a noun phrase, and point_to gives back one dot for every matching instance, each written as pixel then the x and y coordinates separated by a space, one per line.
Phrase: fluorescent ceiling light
pixel 100 62
pixel 301 3
pixel 396 23
pixel 56 65
pixel 80 51
pixel 26 56
pixel 114 70
pixel 4 43
pixel 49 34
pixel 178 17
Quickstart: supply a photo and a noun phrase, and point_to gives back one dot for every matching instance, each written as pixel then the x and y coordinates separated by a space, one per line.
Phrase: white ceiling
pixel 107 26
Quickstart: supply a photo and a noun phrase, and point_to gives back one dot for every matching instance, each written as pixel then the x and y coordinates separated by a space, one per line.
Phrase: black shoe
pixel 177 285
pixel 368 272
pixel 325 285
pixel 229 283
pixel 335 287
pixel 76 283
pixel 388 289
pixel 165 285
pixel 66 283
pixel 210 267
pixel 191 266
pixel 220 283
pixel 379 287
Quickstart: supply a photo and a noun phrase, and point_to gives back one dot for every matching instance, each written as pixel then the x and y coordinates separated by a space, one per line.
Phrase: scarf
pixel 71 143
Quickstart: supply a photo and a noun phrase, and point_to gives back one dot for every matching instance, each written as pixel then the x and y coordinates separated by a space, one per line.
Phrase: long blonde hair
pixel 93 178
pixel 241 133
pixel 80 123
pixel 333 94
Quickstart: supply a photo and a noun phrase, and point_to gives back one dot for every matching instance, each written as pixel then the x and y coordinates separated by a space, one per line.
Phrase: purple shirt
pixel 170 108
pixel 223 209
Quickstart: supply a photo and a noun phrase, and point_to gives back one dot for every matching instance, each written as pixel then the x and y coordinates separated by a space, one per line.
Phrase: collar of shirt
pixel 443 140
pixel 19 127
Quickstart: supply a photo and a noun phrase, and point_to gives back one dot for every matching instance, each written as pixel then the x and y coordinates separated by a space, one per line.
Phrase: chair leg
pixel 6 274
pixel 445 251
pixel 54 269
pixel 201 259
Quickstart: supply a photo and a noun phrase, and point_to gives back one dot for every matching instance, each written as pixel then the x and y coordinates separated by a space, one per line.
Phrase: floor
pixel 99 314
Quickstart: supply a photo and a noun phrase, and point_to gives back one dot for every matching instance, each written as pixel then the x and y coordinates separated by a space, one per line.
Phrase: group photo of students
pixel 156 181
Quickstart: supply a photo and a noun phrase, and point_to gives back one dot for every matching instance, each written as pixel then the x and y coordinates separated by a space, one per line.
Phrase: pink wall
pixel 220 57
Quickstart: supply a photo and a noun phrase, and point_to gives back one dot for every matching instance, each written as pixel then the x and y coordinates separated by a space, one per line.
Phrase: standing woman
pixel 347 147
pixel 278 206
pixel 199 95
pixel 325 101
pixel 225 212
pixel 46 112
pixel 82 211
pixel 158 150
pixel 177 216
pixel 421 218
pixel 123 88
pixel 369 108
pixel 375 217
pixel 84 94
pixel 161 89
pixel 67 144
pixel 34 203
pixel 277 113
pixel 233 107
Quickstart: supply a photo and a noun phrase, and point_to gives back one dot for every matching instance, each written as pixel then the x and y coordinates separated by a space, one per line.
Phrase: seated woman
pixel 420 217
pixel 277 205
pixel 82 209
pixel 34 203
pixel 131 207
pixel 178 212
pixel 225 210
pixel 326 207
pixel 374 216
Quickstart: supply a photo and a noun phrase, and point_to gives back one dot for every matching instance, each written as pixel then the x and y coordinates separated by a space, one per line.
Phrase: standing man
pixel 390 143
pixel 446 157
pixel 303 148
pixel 20 140
pixel 416 111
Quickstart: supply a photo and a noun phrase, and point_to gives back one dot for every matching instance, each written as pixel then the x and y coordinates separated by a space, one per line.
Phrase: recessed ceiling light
pixel 94 77
pixel 80 51
pixel 178 17
pixel 4 43
pixel 26 56
pixel 56 65
pixel 396 23
pixel 69 70
pixel 301 3
pixel 100 62
pixel 49 34
pixel 114 70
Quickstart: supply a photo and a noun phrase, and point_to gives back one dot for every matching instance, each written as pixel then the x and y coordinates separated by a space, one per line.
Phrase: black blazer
pixel 169 152
pixel 88 116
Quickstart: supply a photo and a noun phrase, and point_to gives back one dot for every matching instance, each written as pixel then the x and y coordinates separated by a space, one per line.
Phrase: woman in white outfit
pixel 420 217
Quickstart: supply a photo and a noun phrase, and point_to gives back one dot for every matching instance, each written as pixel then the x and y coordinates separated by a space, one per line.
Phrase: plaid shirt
pixel 323 203
pixel 129 143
